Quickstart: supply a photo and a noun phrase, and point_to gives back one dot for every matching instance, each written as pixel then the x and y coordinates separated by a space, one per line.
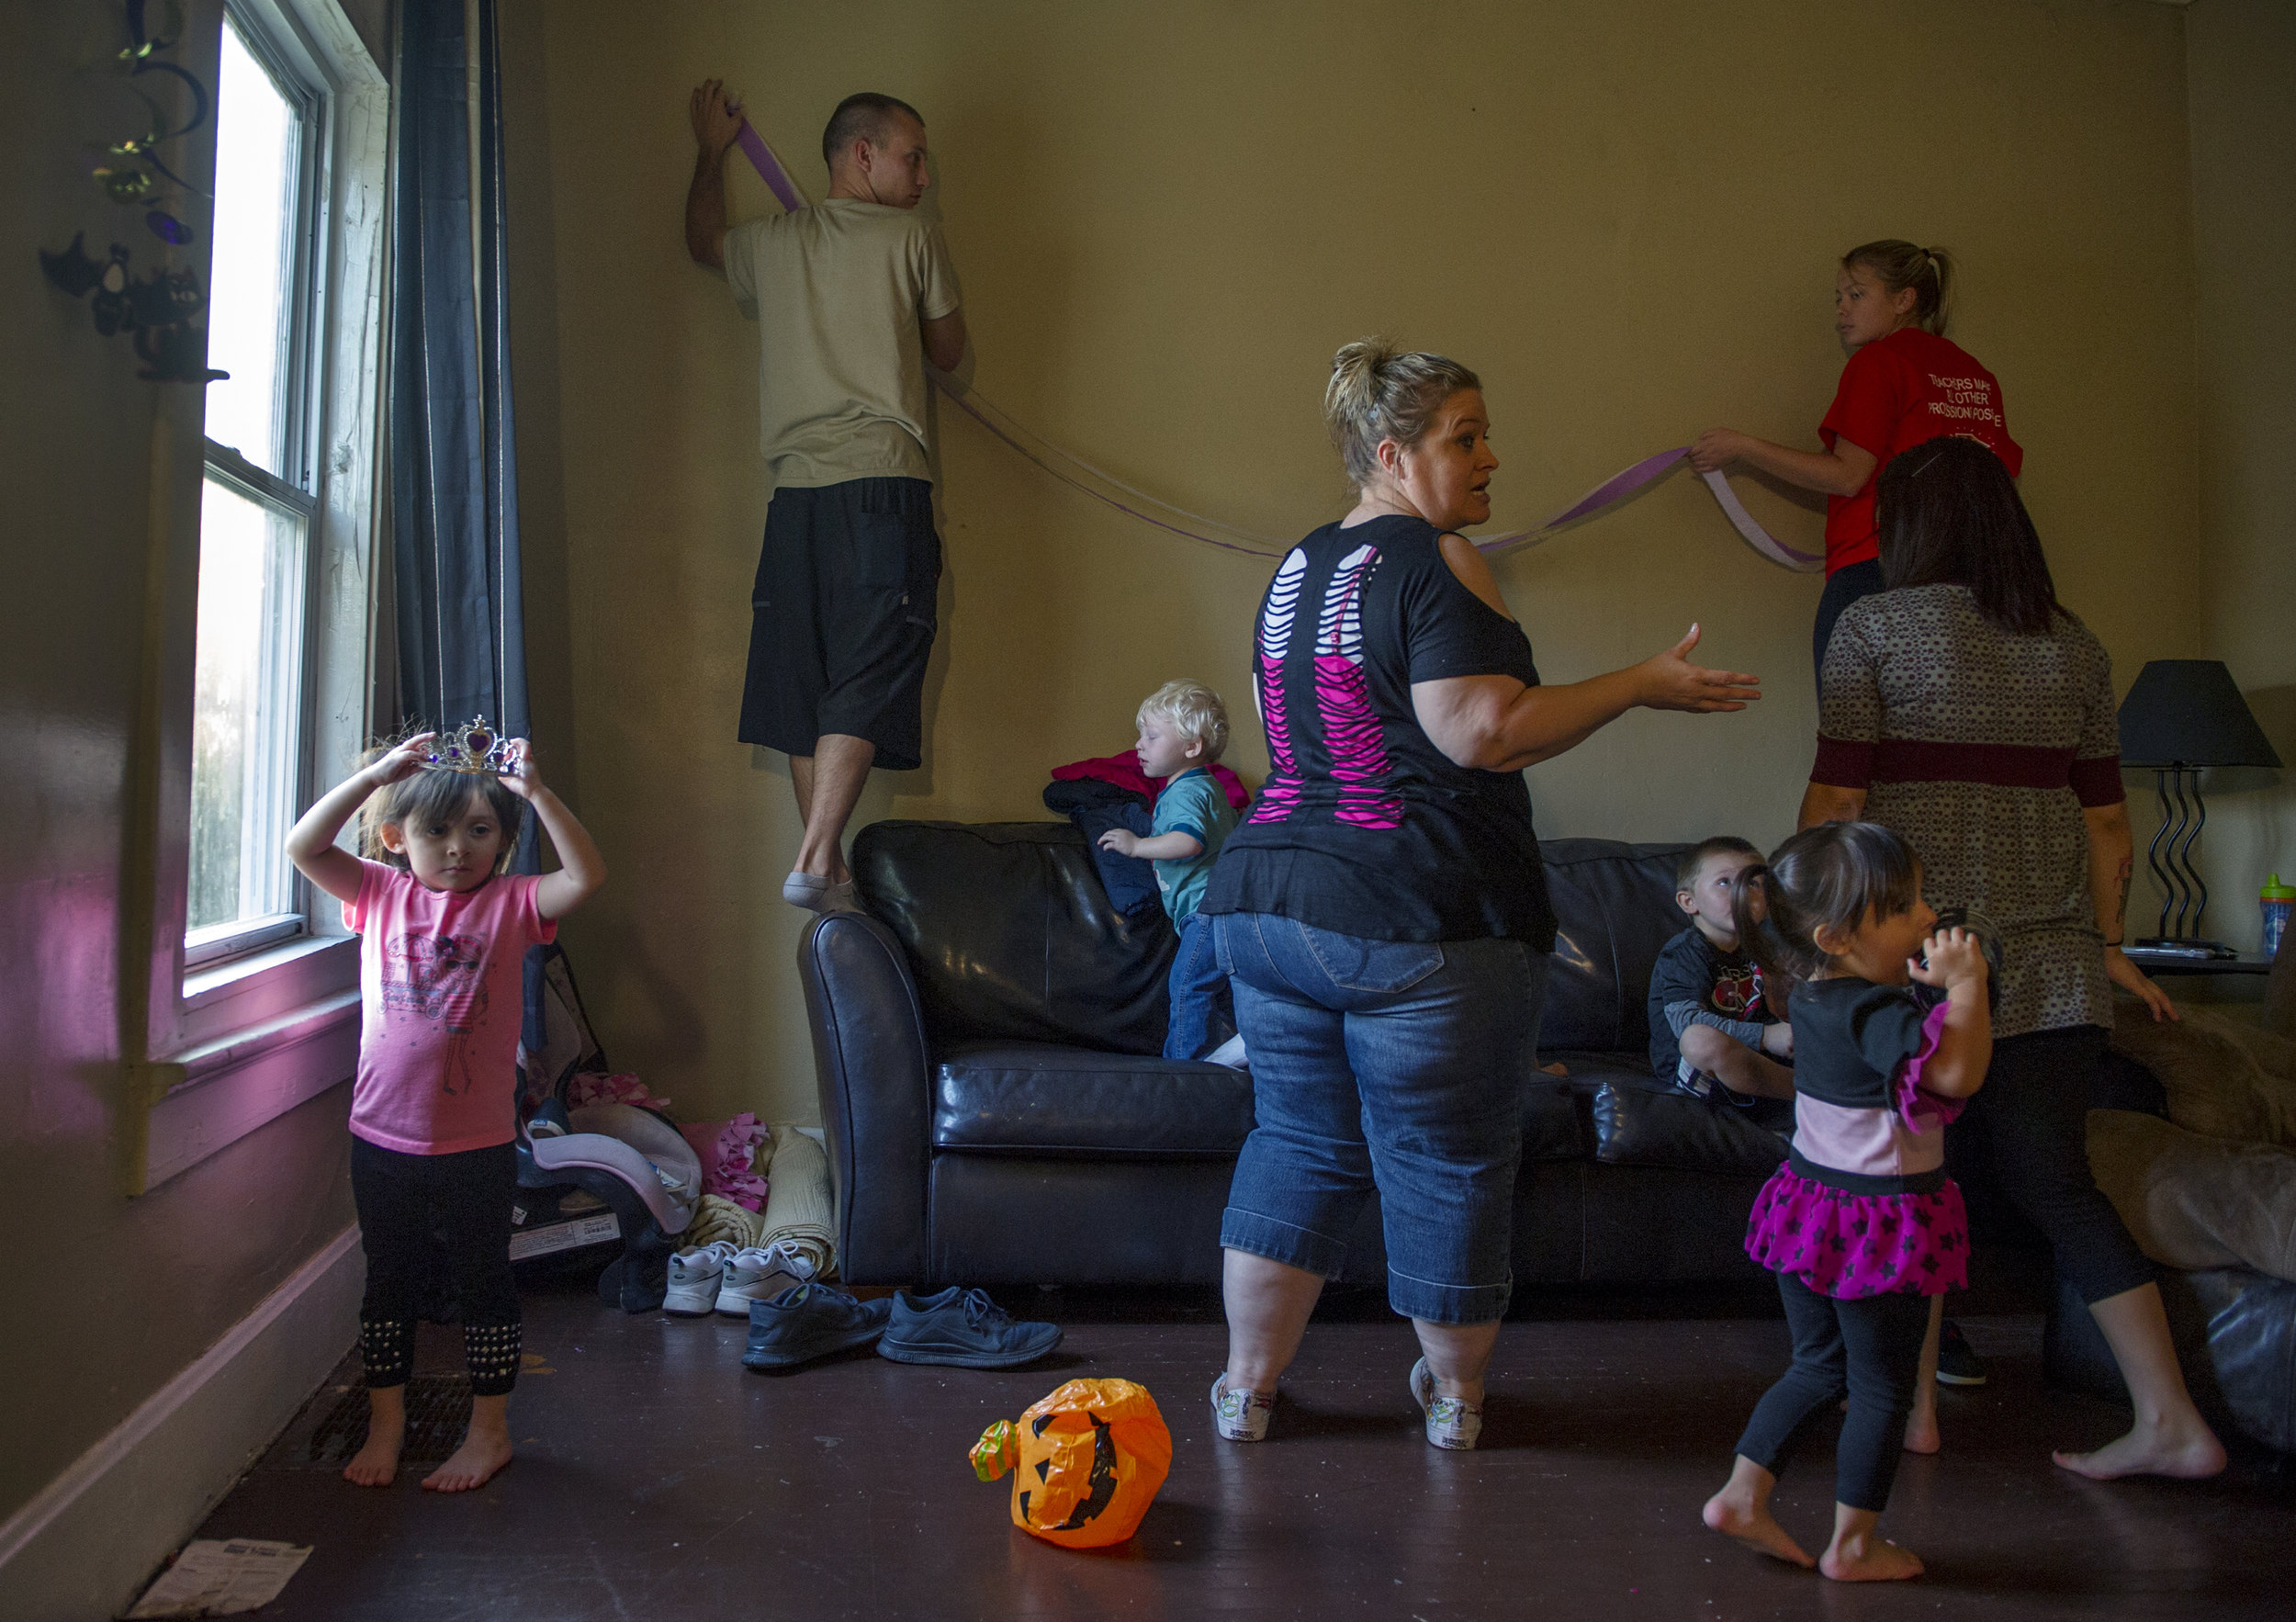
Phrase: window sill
pixel 225 1089
pixel 259 1035
pixel 255 990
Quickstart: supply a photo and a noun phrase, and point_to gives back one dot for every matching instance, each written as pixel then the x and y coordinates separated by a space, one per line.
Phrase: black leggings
pixel 2027 1129
pixel 1871 1348
pixel 416 1213
pixel 1843 587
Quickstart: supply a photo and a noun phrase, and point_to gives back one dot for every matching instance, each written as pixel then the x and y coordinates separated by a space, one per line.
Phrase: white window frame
pixel 278 49
pixel 235 1039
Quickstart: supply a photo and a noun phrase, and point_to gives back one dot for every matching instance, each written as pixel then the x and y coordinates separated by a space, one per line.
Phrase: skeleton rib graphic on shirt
pixel 1351 731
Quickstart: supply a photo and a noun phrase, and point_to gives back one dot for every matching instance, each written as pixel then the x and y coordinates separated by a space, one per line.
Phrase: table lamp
pixel 2182 715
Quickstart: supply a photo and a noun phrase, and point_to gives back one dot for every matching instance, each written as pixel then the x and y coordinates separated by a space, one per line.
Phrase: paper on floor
pixel 222 1579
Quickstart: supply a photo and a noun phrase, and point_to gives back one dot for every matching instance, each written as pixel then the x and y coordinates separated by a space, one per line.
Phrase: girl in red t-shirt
pixel 1905 384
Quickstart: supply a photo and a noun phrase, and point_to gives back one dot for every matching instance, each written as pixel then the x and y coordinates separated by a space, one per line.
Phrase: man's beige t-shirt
pixel 838 290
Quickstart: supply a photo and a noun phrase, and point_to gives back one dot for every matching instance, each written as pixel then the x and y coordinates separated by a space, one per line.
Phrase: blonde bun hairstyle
pixel 1898 265
pixel 1378 391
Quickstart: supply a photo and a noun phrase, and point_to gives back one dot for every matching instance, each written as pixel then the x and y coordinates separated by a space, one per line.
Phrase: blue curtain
pixel 454 479
pixel 462 635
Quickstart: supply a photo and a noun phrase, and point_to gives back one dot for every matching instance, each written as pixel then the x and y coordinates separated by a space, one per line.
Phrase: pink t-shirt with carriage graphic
pixel 441 980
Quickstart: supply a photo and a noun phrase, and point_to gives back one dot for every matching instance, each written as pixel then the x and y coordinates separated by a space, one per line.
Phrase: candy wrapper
pixel 1085 1462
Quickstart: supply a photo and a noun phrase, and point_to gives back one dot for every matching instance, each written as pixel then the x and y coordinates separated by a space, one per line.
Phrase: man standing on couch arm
pixel 853 297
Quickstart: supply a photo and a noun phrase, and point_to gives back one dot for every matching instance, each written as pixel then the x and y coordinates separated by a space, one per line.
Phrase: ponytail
pixel 1782 962
pixel 1380 392
pixel 1899 265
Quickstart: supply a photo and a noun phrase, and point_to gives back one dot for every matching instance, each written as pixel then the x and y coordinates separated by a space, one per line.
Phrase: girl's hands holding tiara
pixel 403 760
pixel 1949 958
pixel 524 775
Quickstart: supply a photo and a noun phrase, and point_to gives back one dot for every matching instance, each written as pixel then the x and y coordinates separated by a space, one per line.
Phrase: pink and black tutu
pixel 1851 1246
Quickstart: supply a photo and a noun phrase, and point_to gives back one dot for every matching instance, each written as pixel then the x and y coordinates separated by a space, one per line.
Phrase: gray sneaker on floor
pixel 809 1321
pixel 963 1328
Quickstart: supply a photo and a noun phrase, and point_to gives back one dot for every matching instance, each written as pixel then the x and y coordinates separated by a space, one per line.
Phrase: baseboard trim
pixel 84 1546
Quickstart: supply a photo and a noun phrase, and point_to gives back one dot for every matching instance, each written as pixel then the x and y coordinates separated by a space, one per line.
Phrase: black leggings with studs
pixel 422 1213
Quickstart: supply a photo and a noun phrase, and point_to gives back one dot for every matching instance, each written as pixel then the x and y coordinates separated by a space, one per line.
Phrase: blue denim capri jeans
pixel 1398 1065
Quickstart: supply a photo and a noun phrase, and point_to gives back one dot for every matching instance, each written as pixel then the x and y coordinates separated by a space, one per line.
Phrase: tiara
pixel 475 748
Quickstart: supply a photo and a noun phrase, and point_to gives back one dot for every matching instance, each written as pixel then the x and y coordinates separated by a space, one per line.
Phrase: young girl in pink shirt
pixel 443 936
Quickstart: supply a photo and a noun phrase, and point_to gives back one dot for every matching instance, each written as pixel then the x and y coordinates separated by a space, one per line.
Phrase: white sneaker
pixel 1240 1416
pixel 1230 1053
pixel 1452 1422
pixel 693 1276
pixel 755 1274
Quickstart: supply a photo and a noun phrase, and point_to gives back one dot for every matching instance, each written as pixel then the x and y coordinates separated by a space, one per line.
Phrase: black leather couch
pixel 987 1043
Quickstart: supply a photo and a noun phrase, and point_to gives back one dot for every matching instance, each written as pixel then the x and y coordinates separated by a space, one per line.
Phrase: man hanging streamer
pixel 852 297
pixel 1088 480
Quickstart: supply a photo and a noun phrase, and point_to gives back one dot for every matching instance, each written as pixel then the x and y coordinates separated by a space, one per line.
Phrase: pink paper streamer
pixel 1618 488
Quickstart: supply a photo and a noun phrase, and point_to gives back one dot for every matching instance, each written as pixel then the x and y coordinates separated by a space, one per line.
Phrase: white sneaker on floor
pixel 1230 1053
pixel 1240 1416
pixel 694 1276
pixel 1452 1422
pixel 760 1274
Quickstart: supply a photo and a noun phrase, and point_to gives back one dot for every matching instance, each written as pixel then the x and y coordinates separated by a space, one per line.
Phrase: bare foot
pixel 1870 1559
pixel 2188 1453
pixel 483 1452
pixel 1557 1068
pixel 376 1463
pixel 1741 1515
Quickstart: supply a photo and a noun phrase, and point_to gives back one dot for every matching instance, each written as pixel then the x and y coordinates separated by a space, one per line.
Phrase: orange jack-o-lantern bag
pixel 1087 1461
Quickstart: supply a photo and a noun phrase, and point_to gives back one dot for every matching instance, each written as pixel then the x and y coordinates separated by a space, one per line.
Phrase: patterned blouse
pixel 1982 749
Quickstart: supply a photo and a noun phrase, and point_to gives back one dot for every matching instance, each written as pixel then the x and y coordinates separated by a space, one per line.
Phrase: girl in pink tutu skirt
pixel 1861 1224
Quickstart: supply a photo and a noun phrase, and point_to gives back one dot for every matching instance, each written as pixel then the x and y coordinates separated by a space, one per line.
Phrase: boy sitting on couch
pixel 1713 1033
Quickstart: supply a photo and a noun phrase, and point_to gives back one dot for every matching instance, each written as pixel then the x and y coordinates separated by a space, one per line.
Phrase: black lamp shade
pixel 2189 712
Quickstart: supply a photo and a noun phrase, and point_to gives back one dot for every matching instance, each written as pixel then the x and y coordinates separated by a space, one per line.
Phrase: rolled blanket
pixel 717 1218
pixel 2192 1202
pixel 2224 1080
pixel 798 1207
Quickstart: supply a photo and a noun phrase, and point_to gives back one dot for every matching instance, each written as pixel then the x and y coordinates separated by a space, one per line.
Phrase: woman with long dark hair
pixel 1968 710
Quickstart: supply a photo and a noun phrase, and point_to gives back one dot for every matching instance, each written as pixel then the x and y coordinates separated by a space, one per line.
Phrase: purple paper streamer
pixel 768 167
pixel 1609 494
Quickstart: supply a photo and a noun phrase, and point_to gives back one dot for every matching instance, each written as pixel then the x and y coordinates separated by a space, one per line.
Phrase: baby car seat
pixel 634 1161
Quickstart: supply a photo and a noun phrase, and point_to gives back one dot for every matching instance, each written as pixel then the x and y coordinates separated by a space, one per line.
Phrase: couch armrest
pixel 872 1065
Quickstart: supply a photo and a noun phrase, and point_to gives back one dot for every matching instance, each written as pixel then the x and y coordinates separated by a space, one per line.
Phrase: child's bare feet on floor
pixel 376 1463
pixel 1741 1510
pixel 483 1452
pixel 1871 1558
pixel 2151 1450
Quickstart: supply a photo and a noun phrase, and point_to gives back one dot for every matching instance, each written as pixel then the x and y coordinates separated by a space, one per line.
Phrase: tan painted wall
pixel 2243 65
pixel 1624 215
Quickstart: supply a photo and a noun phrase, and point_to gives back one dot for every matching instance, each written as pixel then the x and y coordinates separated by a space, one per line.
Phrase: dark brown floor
pixel 657 1480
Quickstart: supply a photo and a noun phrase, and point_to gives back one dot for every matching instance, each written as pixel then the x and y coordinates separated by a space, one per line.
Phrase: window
pixel 259 503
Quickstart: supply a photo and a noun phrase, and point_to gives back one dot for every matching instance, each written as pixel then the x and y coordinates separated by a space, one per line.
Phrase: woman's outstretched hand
pixel 1669 682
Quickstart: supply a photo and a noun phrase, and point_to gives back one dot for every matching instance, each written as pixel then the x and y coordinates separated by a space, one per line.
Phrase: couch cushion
pixel 1614 904
pixel 1011 938
pixel 1042 1097
pixel 1644 1125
